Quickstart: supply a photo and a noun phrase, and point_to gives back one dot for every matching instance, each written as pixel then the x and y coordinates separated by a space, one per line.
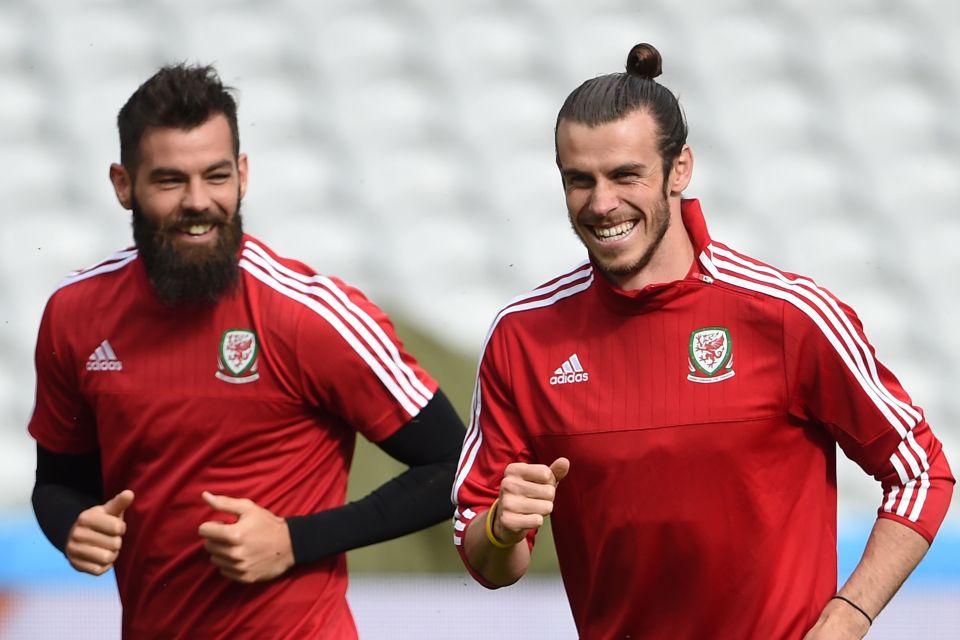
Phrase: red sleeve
pixel 836 380
pixel 494 440
pixel 62 421
pixel 353 365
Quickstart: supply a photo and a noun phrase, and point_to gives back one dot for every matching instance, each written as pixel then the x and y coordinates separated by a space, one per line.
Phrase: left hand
pixel 839 621
pixel 255 548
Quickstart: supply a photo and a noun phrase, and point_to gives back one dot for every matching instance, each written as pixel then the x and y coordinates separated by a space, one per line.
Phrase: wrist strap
pixel 855 606
pixel 491 536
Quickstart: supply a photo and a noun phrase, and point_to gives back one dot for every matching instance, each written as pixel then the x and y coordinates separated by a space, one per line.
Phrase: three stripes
pixel 733 268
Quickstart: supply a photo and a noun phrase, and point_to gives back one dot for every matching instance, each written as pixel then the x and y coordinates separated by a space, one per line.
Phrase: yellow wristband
pixel 489 527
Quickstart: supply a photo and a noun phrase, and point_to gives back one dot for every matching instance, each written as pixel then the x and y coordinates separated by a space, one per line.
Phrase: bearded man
pixel 198 399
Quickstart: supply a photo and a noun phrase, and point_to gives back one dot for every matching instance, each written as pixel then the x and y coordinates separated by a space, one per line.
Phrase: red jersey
pixel 259 396
pixel 700 418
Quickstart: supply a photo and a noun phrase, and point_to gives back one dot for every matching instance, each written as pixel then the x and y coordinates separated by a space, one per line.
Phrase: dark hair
pixel 616 95
pixel 179 96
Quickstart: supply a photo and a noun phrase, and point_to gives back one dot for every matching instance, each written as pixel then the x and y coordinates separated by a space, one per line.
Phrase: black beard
pixel 183 275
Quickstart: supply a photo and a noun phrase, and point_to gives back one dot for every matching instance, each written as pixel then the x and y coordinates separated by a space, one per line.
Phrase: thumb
pixel 116 505
pixel 226 504
pixel 560 467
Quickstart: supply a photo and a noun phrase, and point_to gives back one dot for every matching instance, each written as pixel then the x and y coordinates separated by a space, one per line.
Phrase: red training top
pixel 700 418
pixel 258 397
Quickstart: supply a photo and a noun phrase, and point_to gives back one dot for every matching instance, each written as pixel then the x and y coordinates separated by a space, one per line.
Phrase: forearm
pixel 430 445
pixel 416 499
pixel 499 567
pixel 57 508
pixel 66 485
pixel 893 551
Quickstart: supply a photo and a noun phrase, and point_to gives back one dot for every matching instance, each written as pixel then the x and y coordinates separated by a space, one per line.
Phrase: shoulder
pixel 800 299
pixel 285 282
pixel 546 302
pixel 105 274
pixel 288 276
pixel 259 259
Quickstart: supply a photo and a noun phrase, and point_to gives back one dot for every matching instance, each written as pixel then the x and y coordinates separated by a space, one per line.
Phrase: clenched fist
pixel 255 548
pixel 95 538
pixel 526 497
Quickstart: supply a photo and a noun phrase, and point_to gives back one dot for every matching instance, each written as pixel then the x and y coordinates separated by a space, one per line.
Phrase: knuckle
pixel 544 475
pixel 510 485
pixel 104 556
pixel 517 470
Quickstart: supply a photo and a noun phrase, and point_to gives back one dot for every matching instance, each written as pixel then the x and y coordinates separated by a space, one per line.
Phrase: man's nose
pixel 603 199
pixel 196 196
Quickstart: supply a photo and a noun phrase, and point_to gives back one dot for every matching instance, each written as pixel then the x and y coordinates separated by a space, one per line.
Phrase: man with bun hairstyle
pixel 199 396
pixel 675 405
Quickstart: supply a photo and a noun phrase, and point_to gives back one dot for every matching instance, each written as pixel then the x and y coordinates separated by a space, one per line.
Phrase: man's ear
pixel 681 172
pixel 122 185
pixel 243 171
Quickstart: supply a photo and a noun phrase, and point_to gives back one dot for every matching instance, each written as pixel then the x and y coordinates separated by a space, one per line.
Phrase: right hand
pixel 95 538
pixel 526 497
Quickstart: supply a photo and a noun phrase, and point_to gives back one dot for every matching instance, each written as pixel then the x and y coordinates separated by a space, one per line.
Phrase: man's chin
pixel 190 272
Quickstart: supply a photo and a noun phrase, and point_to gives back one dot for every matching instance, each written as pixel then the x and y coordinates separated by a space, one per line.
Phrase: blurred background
pixel 407 147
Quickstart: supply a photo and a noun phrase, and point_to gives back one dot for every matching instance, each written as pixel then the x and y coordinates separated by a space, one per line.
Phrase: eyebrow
pixel 638 167
pixel 631 166
pixel 161 172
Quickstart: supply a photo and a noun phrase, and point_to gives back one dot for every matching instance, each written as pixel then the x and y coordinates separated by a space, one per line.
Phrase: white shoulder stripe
pixel 575 282
pixel 115 262
pixel 839 320
pixel 389 381
pixel 807 297
pixel 350 310
pixel 838 336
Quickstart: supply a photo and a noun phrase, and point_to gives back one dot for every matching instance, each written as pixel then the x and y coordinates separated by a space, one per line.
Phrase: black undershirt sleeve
pixel 66 485
pixel 417 498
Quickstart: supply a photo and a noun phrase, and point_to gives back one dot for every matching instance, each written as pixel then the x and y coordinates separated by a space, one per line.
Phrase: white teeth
pixel 614 232
pixel 199 229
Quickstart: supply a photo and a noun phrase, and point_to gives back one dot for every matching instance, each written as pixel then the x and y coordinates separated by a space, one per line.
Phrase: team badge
pixel 237 359
pixel 711 355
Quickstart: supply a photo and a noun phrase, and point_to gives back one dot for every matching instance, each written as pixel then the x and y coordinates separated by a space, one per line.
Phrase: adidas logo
pixel 104 359
pixel 570 371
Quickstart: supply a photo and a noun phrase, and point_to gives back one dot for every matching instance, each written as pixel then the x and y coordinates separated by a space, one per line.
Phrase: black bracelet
pixel 854 605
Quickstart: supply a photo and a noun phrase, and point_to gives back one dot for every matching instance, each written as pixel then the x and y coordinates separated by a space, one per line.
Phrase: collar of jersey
pixel 656 296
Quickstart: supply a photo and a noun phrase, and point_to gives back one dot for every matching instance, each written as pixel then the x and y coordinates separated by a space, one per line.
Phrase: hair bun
pixel 644 61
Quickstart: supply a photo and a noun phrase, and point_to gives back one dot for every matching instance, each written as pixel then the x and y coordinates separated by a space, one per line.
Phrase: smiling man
pixel 674 406
pixel 198 399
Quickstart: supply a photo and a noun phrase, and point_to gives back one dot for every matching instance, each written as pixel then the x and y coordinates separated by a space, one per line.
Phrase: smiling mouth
pixel 197 229
pixel 194 229
pixel 608 234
